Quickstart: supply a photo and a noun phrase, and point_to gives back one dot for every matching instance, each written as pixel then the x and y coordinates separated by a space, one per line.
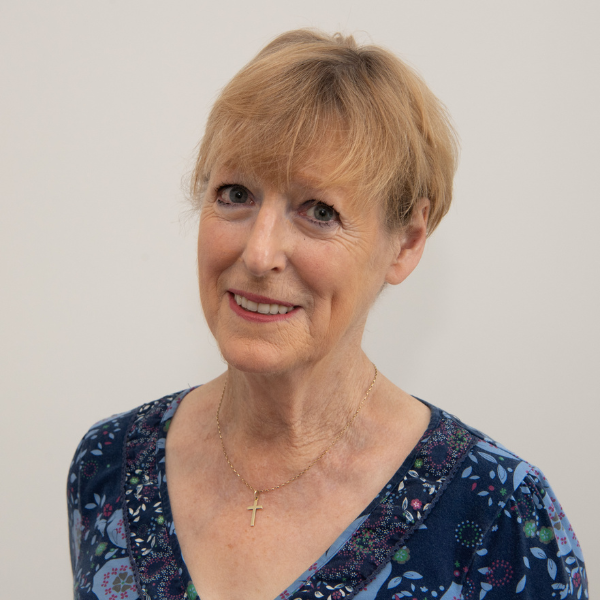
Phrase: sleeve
pixel 97 536
pixel 530 552
pixel 73 505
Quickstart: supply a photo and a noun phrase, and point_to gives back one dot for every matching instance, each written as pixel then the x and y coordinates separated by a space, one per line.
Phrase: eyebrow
pixel 305 182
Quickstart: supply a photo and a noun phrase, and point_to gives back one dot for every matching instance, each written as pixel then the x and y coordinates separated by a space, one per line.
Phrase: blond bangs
pixel 309 98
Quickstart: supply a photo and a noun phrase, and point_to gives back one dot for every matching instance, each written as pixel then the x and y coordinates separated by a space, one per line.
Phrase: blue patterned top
pixel 462 519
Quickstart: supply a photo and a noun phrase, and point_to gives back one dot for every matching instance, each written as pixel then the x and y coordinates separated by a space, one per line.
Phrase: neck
pixel 292 416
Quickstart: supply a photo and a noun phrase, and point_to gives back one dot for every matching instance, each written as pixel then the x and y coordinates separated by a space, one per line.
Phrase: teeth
pixel 265 309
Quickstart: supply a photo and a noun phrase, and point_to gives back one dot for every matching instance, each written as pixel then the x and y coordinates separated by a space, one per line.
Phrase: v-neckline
pixel 390 516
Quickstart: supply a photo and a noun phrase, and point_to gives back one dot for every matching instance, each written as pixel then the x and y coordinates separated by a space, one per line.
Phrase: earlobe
pixel 409 244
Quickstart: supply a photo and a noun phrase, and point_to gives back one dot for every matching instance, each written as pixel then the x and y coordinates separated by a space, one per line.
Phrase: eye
pixel 235 194
pixel 232 194
pixel 322 212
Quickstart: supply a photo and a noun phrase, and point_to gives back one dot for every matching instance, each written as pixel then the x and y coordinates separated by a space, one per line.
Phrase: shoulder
pixel 488 479
pixel 486 523
pixel 488 462
pixel 475 475
pixel 95 495
pixel 493 476
pixel 102 438
pixel 505 524
pixel 103 442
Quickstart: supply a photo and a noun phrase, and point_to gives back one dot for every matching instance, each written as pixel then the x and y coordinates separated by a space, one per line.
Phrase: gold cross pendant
pixel 254 508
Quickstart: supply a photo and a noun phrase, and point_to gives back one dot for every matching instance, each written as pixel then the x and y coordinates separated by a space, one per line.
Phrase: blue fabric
pixel 463 518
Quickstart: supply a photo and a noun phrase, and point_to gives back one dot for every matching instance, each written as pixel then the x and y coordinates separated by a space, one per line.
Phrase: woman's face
pixel 287 276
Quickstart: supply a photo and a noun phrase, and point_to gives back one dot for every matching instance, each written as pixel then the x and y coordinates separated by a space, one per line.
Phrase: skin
pixel 292 384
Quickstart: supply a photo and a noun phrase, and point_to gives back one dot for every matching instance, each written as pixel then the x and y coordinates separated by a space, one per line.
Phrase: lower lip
pixel 257 317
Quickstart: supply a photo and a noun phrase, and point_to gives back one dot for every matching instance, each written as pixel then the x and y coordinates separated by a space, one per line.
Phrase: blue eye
pixel 322 212
pixel 236 194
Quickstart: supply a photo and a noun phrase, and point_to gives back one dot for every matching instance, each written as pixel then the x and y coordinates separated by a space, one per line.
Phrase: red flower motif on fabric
pixel 500 573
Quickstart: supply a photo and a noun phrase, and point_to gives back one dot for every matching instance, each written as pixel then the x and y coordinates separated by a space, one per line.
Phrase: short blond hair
pixel 306 93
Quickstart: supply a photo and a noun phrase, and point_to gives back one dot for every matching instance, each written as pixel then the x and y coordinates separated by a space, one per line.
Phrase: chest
pixel 294 526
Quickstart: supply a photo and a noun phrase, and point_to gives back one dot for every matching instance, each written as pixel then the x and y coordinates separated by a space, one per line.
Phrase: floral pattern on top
pixel 408 499
pixel 101 564
pixel 462 519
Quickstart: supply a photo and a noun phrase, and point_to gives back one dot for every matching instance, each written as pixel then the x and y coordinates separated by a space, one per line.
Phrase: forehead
pixel 319 148
pixel 320 168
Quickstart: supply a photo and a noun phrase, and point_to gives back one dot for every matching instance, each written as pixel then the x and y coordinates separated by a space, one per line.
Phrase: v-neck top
pixel 462 518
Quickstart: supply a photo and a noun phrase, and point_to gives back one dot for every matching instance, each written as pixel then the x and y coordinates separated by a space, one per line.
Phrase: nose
pixel 265 250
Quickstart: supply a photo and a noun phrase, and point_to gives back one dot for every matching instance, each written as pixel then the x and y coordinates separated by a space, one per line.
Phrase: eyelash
pixel 306 206
pixel 332 223
pixel 219 189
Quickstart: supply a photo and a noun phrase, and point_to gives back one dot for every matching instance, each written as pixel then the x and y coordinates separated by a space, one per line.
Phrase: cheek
pixel 330 273
pixel 346 282
pixel 216 252
pixel 317 266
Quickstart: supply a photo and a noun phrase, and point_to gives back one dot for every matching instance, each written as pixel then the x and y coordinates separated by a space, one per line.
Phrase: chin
pixel 251 362
pixel 258 357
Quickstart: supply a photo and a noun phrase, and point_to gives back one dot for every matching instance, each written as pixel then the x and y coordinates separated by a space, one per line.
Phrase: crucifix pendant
pixel 254 508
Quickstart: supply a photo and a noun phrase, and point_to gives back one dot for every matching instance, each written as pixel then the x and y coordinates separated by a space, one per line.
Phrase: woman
pixel 302 472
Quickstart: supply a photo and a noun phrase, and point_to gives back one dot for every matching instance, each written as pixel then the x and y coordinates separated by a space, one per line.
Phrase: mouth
pixel 260 305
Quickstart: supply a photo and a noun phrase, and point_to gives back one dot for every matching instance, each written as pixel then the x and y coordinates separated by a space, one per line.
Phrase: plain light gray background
pixel 102 104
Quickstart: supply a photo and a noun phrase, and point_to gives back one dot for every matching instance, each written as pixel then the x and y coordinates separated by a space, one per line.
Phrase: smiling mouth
pixel 259 307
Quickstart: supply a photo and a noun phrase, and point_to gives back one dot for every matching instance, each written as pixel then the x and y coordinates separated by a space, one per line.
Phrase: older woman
pixel 302 472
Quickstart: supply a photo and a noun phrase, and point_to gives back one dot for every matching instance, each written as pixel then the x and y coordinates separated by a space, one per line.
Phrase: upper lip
pixel 259 299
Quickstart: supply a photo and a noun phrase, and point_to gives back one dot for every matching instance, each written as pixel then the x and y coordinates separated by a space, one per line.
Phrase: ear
pixel 409 244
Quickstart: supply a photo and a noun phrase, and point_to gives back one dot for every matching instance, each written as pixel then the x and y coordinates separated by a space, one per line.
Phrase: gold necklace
pixel 256 492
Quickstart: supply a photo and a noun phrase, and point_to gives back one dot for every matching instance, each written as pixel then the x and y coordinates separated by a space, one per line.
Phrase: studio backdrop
pixel 102 106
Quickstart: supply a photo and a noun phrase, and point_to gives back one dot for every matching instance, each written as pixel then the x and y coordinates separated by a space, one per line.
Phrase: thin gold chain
pixel 336 439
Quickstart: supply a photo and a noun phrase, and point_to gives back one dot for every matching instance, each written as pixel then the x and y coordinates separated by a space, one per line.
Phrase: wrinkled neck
pixel 293 414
